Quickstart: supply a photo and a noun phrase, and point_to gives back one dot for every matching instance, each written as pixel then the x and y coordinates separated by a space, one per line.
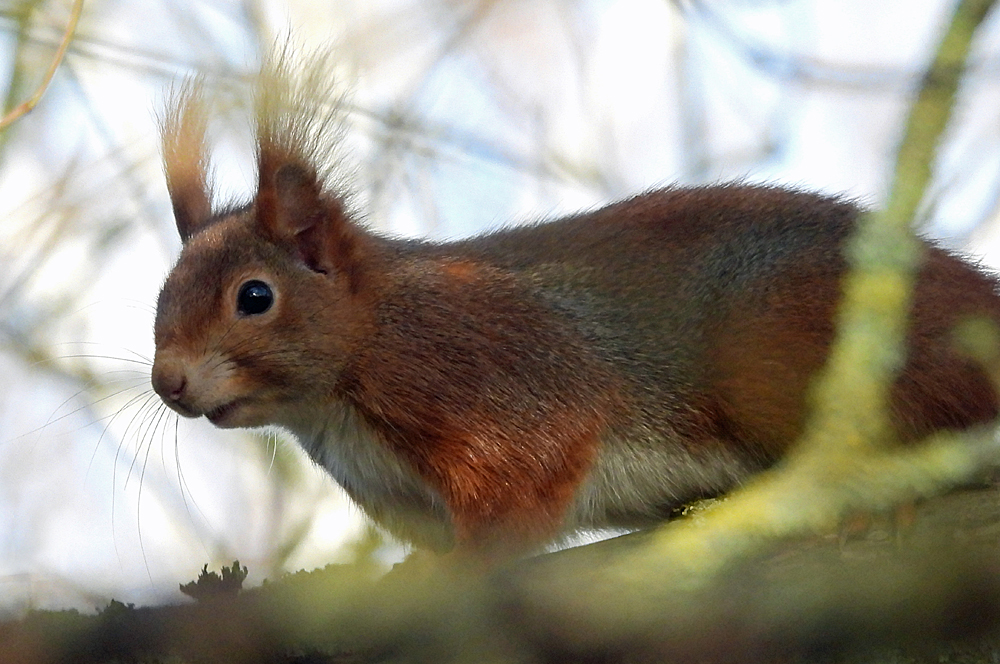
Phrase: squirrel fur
pixel 496 392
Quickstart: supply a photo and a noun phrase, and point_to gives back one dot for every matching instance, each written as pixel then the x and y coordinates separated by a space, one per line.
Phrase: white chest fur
pixel 385 486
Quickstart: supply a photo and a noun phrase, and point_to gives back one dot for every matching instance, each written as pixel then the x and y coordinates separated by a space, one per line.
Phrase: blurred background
pixel 463 115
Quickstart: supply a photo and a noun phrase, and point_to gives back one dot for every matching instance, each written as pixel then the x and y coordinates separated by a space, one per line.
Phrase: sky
pixel 463 116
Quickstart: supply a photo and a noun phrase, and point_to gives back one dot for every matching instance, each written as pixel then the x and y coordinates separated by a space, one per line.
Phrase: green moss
pixel 210 585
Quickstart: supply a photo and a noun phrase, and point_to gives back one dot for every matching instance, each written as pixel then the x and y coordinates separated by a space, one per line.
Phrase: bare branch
pixel 26 107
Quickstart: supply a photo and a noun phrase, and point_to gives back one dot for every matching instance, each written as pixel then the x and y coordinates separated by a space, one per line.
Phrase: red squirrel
pixel 497 392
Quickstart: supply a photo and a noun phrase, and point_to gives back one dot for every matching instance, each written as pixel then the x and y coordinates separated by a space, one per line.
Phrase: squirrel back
pixel 495 392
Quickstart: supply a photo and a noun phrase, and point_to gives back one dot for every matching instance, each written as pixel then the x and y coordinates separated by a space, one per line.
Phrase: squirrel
pixel 498 392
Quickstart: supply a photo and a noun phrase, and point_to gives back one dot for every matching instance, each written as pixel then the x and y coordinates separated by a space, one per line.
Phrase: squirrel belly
pixel 493 393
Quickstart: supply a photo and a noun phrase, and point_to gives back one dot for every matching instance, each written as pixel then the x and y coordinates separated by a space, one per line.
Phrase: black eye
pixel 255 297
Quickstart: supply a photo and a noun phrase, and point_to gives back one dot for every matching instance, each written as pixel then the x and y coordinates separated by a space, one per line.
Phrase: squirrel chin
pixel 238 413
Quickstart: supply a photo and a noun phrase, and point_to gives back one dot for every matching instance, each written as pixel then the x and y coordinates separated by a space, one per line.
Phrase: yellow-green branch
pixel 25 107
pixel 841 463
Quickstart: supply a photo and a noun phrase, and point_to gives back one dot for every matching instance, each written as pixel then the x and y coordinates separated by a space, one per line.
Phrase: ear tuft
pixel 185 159
pixel 299 117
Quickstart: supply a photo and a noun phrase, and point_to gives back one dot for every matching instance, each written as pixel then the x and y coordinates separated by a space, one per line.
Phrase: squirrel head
pixel 268 300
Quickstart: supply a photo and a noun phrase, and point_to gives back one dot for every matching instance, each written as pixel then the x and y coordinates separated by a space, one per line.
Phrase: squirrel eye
pixel 255 297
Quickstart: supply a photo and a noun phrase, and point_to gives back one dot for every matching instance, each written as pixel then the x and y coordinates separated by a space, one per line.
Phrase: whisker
pixel 54 420
pixel 268 354
pixel 146 411
pixel 156 418
pixel 139 305
pixel 182 481
pixel 129 303
pixel 163 417
pixel 149 395
pixel 126 349
pixel 313 316
pixel 245 342
pixel 94 356
pixel 146 432
pixel 272 439
pixel 219 341
pixel 111 418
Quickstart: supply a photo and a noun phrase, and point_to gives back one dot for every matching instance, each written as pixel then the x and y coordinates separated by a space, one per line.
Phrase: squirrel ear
pixel 292 208
pixel 299 120
pixel 182 131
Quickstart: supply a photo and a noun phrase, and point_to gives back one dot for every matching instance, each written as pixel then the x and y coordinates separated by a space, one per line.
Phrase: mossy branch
pixel 852 394
pixel 843 462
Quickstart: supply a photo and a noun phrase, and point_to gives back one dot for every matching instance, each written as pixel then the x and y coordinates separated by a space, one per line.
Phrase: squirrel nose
pixel 169 381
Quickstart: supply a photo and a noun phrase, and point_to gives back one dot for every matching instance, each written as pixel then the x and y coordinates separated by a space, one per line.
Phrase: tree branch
pixel 26 107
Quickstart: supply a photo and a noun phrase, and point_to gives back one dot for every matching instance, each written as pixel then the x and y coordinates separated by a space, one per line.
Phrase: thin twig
pixel 25 107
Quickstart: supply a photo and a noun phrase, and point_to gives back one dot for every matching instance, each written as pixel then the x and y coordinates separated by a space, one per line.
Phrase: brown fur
pixel 598 370
pixel 453 378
